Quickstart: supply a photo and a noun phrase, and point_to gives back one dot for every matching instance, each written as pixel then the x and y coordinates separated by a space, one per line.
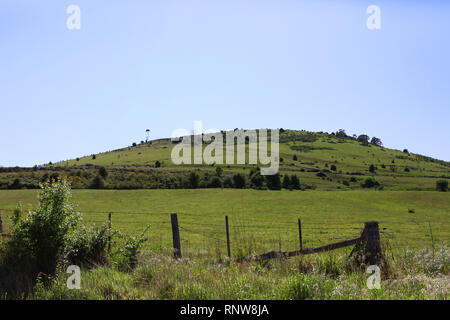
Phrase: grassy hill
pixel 321 161
pixel 316 153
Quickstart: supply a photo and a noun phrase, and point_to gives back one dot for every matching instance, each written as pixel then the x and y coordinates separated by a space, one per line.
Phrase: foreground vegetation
pixel 41 244
pixel 413 275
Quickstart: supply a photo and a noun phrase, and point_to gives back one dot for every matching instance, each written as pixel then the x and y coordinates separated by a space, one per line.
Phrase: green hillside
pixel 321 161
pixel 315 153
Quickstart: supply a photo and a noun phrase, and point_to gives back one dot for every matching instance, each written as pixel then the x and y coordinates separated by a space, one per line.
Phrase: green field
pixel 261 220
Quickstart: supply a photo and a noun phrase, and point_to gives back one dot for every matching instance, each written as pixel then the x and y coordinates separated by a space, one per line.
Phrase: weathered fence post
pixel 1 223
pixel 109 231
pixel 176 236
pixel 228 237
pixel 369 248
pixel 300 234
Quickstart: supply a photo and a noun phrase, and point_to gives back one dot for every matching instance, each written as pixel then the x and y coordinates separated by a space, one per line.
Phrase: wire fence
pixel 206 232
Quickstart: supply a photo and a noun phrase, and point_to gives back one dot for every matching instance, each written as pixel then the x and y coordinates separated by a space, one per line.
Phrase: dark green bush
pixel 370 183
pixel 194 180
pixel 239 181
pixel 442 185
pixel 87 247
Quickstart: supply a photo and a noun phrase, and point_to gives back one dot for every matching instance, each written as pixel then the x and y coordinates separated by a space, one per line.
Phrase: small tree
pixel 103 172
pixel 38 240
pixel 370 183
pixel 295 182
pixel 442 185
pixel 286 182
pixel 215 183
pixel 157 164
pixel 364 139
pixel 372 168
pixel 219 171
pixel 97 183
pixel 333 167
pixel 239 181
pixel 273 181
pixel 341 134
pixel 194 180
pixel 295 157
pixel 376 142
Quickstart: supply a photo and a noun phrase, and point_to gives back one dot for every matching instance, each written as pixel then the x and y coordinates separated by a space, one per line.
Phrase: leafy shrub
pixel 333 167
pixel 228 183
pixel 295 182
pixel 132 248
pixel 194 180
pixel 103 172
pixel 370 183
pixel 37 241
pixel 97 183
pixel 239 181
pixel 286 182
pixel 87 247
pixel 273 181
pixel 442 185
pixel 157 164
pixel 215 183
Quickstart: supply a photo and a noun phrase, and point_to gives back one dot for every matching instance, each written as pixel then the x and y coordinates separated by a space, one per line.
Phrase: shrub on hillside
pixel 103 172
pixel 273 181
pixel 194 180
pixel 286 182
pixel 215 183
pixel 97 183
pixel 442 185
pixel 370 183
pixel 239 181
pixel 228 183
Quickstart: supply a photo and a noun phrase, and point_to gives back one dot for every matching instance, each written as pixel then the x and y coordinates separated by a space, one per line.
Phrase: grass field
pixel 261 220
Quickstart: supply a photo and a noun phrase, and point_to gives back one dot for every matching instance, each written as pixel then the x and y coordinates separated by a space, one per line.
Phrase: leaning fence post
pixel 109 231
pixel 300 234
pixel 368 249
pixel 373 247
pixel 1 224
pixel 176 236
pixel 228 237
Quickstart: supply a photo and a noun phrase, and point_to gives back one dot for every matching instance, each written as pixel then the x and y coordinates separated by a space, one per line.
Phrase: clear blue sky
pixel 161 65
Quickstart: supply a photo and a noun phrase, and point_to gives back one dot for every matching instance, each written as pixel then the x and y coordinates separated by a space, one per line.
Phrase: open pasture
pixel 260 220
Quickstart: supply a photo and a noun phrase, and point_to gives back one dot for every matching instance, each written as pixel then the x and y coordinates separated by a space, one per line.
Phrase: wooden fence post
pixel 369 248
pixel 228 237
pixel 1 223
pixel 300 234
pixel 109 231
pixel 176 236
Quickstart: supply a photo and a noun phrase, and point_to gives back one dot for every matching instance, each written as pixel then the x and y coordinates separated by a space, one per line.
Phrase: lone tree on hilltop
pixel 376 142
pixel 341 134
pixel 364 139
